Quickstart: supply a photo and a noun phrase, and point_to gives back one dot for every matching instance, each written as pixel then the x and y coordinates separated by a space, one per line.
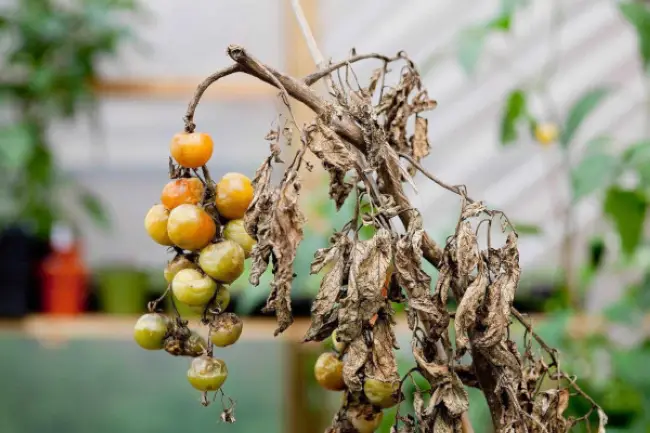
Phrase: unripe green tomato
pixel 236 232
pixel 223 261
pixel 193 288
pixel 226 330
pixel 364 419
pixel 150 330
pixel 207 373
pixel 328 371
pixel 339 345
pixel 178 263
pixel 380 393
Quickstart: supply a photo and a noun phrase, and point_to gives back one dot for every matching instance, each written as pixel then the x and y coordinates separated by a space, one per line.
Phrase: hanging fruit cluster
pixel 202 223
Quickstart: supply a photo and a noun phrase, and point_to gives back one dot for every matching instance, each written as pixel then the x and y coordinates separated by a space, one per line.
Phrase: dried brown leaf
pixel 421 102
pixel 355 358
pixel 281 230
pixel 420 146
pixel 465 319
pixel 471 210
pixel 374 79
pixel 324 314
pixel 495 315
pixel 467 255
pixel 436 374
pixel 455 399
pixel 602 420
pixel 382 364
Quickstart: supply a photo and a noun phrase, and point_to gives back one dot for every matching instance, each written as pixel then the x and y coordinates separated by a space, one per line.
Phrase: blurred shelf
pixel 183 88
pixel 114 327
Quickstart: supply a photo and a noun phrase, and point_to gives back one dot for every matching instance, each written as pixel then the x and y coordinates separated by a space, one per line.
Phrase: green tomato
pixel 221 301
pixel 223 261
pixel 339 345
pixel 364 418
pixel 196 344
pixel 381 393
pixel 226 330
pixel 193 288
pixel 177 264
pixel 236 232
pixel 206 373
pixel 150 330
pixel 328 371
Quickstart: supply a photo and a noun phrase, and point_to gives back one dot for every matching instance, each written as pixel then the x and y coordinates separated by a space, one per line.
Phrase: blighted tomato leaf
pixel 382 364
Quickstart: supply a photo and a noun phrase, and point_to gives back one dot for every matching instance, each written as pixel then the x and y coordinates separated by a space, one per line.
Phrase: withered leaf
pixel 436 374
pixel 467 255
pixel 282 232
pixel 355 358
pixel 370 260
pixel 382 364
pixel 257 220
pixel 602 421
pixel 465 319
pixel 374 79
pixel 415 282
pixel 420 141
pixel 323 312
pixel 421 102
pixel 495 318
pixel 455 399
pixel 471 210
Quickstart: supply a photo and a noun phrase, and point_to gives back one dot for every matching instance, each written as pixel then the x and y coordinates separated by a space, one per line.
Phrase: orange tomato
pixel 191 149
pixel 182 191
pixel 155 222
pixel 234 195
pixel 190 227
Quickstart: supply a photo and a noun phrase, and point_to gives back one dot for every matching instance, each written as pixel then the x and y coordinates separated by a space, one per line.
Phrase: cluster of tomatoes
pixel 328 371
pixel 204 224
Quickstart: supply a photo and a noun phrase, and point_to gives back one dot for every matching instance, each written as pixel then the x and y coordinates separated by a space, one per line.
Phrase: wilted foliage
pixel 360 134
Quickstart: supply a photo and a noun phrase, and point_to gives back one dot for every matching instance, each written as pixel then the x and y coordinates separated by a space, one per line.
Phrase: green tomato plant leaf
pixel 594 172
pixel 527 229
pixel 515 109
pixel 637 157
pixel 638 14
pixel 627 210
pixel 16 146
pixel 470 46
pixel 579 112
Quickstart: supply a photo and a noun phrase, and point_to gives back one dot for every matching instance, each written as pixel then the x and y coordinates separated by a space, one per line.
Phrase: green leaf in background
pixel 579 112
pixel 638 15
pixel 595 171
pixel 503 21
pixel 527 229
pixel 470 46
pixel 637 157
pixel 629 365
pixel 16 146
pixel 515 108
pixel 95 209
pixel 553 327
pixel 627 209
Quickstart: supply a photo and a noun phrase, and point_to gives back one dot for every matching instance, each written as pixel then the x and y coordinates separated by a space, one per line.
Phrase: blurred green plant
pixel 50 54
pixel 618 177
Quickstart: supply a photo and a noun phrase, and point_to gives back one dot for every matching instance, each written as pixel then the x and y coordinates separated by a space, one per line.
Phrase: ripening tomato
pixel 150 331
pixel 207 373
pixel 223 261
pixel 381 393
pixel 178 263
pixel 191 149
pixel 236 232
pixel 155 222
pixel 339 345
pixel 193 288
pixel 546 133
pixel 328 371
pixel 234 195
pixel 182 191
pixel 226 330
pixel 364 418
pixel 190 227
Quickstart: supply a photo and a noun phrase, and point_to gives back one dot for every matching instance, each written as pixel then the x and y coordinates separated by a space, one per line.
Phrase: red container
pixel 64 276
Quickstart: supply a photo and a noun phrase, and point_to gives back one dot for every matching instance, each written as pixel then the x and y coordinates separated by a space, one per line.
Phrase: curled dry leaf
pixel 467 255
pixel 275 220
pixel 324 313
pixel 419 141
pixel 370 260
pixel 382 364
pixel 465 319
pixel 416 283
pixel 355 358
pixel 336 156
